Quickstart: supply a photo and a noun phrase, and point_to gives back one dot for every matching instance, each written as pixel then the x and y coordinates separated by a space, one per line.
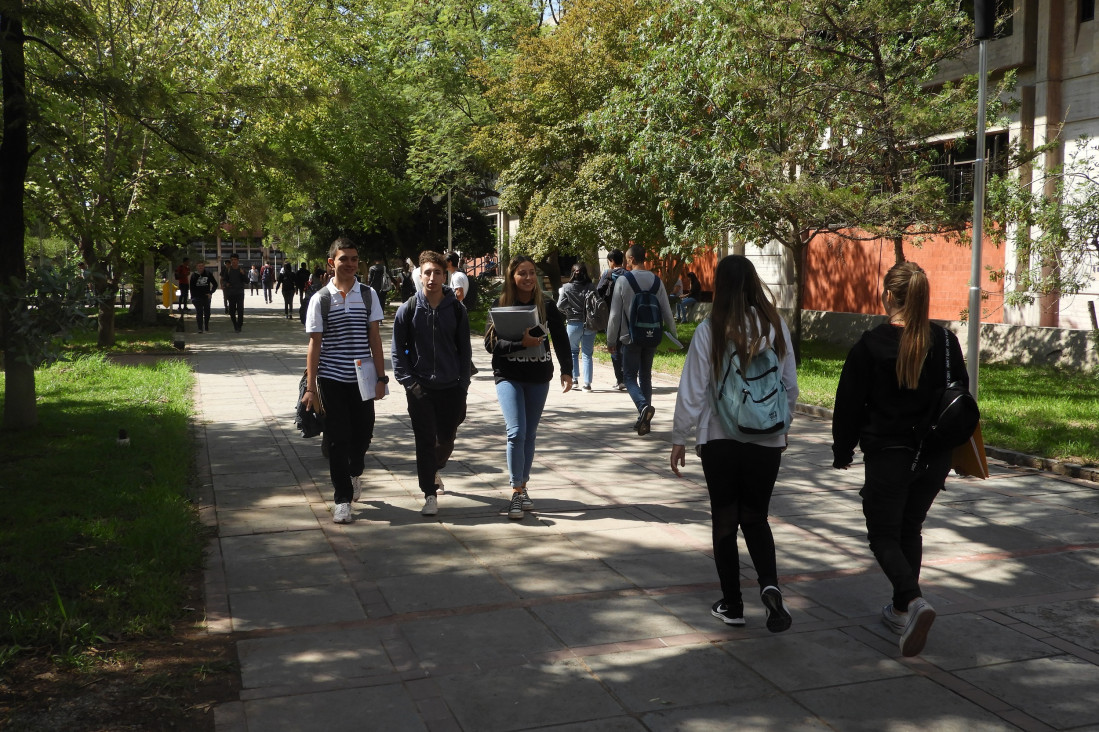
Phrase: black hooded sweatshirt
pixel 872 410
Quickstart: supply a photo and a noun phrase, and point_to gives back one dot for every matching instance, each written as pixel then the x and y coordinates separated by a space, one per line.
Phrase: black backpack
pixel 954 415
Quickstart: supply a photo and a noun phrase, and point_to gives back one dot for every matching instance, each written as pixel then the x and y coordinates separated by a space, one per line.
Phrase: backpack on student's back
pixel 751 403
pixel 646 315
pixel 474 289
pixel 597 311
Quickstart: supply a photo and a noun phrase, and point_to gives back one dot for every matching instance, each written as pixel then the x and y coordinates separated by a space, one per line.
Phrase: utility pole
pixel 984 18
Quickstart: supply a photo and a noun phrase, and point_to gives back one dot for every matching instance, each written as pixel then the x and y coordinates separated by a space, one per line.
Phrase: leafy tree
pixel 1054 221
pixel 555 172
pixel 777 123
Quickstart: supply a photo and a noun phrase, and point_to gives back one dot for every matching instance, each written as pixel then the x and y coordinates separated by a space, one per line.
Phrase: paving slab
pixel 593 612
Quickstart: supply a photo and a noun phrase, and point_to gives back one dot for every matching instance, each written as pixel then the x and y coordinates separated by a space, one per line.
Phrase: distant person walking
pixel 378 277
pixel 202 286
pixel 183 280
pixel 890 381
pixel 286 282
pixel 233 284
pixel 253 280
pixel 301 282
pixel 267 277
pixel 522 379
pixel 605 288
pixel 637 356
pixel 572 302
pixel 694 292
pixel 740 469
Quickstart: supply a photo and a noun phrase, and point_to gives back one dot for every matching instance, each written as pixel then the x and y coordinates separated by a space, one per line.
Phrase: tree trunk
pixel 20 405
pixel 799 296
pixel 898 250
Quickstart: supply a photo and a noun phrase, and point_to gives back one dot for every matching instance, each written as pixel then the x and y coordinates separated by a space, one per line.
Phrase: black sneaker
pixel 778 617
pixel 728 615
pixel 645 420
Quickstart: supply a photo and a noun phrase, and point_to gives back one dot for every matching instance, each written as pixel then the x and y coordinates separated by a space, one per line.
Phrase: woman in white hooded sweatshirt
pixel 740 469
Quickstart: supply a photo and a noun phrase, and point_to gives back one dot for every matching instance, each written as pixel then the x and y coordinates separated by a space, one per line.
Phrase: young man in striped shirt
pixel 349 338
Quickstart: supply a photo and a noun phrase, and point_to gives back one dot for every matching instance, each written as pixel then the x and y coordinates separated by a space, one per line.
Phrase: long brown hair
pixel 910 289
pixel 510 295
pixel 737 290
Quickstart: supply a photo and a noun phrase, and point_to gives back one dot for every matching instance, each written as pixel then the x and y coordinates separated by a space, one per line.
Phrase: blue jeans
pixel 522 403
pixel 681 307
pixel 581 339
pixel 637 365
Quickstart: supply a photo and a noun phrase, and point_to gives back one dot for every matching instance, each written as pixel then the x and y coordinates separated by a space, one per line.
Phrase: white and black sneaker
pixel 342 514
pixel 728 615
pixel 778 617
pixel 515 508
pixel 356 487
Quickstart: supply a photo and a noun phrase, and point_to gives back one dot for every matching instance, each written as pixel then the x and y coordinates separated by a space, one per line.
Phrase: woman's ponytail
pixel 911 290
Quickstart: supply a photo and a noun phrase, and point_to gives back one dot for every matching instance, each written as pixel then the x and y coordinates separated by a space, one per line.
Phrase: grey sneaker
pixel 920 617
pixel 728 615
pixel 893 620
pixel 342 514
pixel 527 503
pixel 515 508
pixel 356 487
pixel 645 420
pixel 431 506
pixel 778 617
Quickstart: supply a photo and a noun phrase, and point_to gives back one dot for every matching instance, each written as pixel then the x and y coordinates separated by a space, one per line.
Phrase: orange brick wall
pixel 845 276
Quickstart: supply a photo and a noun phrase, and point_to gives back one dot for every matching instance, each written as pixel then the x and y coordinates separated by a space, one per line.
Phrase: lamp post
pixel 984 17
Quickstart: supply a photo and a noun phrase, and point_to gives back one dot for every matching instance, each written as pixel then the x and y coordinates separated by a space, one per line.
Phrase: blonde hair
pixel 510 295
pixel 910 289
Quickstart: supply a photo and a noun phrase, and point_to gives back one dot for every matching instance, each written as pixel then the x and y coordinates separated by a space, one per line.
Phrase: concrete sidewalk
pixel 593 613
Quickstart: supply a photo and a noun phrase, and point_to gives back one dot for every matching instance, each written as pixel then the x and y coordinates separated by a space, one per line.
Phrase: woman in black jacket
pixel 572 300
pixel 890 383
pixel 286 282
pixel 522 381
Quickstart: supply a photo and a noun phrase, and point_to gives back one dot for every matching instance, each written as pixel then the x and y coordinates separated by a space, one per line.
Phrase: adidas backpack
pixel 751 402
pixel 646 316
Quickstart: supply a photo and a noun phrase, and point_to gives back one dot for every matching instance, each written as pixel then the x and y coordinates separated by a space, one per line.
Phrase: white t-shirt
pixel 348 334
pixel 459 279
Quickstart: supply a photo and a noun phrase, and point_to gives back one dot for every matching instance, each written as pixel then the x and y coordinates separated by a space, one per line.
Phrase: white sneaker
pixel 431 506
pixel 356 487
pixel 920 617
pixel 439 482
pixel 342 514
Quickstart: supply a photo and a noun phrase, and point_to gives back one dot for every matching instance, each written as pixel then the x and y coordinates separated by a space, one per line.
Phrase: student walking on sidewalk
pixel 740 469
pixel 431 360
pixel 522 380
pixel 341 341
pixel 572 302
pixel 888 386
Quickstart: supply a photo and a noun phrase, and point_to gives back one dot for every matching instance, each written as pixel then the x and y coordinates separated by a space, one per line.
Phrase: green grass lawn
pixel 95 539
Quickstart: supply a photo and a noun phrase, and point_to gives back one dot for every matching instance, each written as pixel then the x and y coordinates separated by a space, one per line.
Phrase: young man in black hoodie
pixel 431 359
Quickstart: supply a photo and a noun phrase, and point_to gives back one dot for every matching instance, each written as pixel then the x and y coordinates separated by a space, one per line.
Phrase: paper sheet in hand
pixel 510 324
pixel 367 376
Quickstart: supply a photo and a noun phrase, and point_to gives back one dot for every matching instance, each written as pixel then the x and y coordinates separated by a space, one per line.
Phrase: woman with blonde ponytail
pixel 890 383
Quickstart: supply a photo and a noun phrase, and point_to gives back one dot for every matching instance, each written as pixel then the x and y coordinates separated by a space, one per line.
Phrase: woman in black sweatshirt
pixel 890 383
pixel 522 379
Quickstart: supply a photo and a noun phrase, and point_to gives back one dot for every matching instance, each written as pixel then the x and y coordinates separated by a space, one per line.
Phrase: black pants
pixel 348 430
pixel 183 291
pixel 202 310
pixel 267 291
pixel 895 502
pixel 740 477
pixel 288 305
pixel 435 416
pixel 235 301
pixel 616 364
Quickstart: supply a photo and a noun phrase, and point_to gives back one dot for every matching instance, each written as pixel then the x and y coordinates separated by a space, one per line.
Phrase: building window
pixel 955 162
pixel 1087 10
pixel 1005 15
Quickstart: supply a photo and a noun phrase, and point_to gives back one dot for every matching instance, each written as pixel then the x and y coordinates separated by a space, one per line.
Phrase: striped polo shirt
pixel 347 337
